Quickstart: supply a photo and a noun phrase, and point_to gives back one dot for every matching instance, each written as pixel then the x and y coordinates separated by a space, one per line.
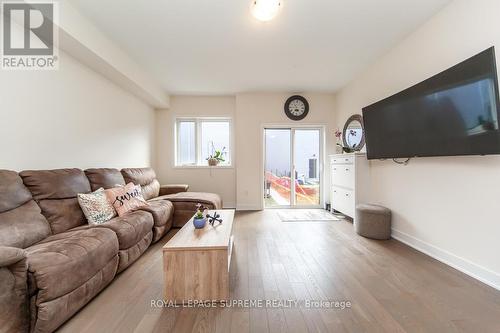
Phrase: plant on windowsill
pixel 216 157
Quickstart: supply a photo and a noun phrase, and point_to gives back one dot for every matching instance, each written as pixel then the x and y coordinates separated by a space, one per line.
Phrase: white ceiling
pixel 217 47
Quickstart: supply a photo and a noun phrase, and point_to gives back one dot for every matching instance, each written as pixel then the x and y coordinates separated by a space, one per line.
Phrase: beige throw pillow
pixel 126 198
pixel 96 207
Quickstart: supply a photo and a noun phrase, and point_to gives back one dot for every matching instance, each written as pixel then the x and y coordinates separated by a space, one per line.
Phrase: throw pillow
pixel 96 207
pixel 126 198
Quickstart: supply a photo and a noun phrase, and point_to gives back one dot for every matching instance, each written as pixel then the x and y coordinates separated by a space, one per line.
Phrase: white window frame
pixel 200 162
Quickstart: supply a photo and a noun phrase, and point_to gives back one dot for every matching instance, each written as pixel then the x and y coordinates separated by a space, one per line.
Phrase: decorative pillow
pixel 96 207
pixel 126 198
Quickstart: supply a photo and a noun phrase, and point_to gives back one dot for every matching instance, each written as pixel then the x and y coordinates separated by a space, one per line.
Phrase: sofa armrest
pixel 14 315
pixel 173 189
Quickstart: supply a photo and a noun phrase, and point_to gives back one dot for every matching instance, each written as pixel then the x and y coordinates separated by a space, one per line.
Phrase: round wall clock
pixel 296 107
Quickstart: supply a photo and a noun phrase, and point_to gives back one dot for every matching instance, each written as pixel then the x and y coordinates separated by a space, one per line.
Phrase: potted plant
pixel 199 219
pixel 345 149
pixel 216 157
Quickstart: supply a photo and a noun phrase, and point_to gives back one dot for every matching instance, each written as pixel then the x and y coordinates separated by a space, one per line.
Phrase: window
pixel 199 138
pixel 187 142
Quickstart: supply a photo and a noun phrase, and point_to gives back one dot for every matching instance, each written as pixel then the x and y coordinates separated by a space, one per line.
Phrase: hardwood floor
pixel 392 287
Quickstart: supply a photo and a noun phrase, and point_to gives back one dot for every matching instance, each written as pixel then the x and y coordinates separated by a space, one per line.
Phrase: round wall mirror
pixel 353 135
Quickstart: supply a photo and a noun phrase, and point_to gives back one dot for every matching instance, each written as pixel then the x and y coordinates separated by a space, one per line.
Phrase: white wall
pixel 253 110
pixel 445 206
pixel 72 117
pixel 240 186
pixel 218 180
pixel 80 38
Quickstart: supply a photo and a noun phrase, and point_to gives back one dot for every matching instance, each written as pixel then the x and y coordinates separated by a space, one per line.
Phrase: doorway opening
pixel 292 167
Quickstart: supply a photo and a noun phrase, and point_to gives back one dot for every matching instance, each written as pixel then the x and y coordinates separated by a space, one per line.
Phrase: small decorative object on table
pixel 216 156
pixel 215 218
pixel 199 219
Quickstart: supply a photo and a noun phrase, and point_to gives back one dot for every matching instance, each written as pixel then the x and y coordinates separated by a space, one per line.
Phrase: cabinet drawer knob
pixel 346 169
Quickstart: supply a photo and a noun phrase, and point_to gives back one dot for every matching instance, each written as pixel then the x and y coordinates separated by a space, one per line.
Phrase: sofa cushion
pixel 55 184
pixel 185 204
pixel 63 262
pixel 162 211
pixel 13 193
pixel 128 256
pixel 48 316
pixel 146 177
pixel 130 228
pixel 63 214
pixel 159 232
pixel 23 226
pixel 21 221
pixel 104 177
pixel 11 255
pixel 56 191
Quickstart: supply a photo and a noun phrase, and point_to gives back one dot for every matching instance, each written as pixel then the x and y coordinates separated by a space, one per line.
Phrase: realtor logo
pixel 28 35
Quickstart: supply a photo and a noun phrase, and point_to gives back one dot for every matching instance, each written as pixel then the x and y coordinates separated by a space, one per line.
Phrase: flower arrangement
pixel 216 156
pixel 199 219
pixel 200 210
pixel 346 149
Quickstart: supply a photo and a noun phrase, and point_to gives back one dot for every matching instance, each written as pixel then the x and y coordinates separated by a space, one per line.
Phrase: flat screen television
pixel 452 113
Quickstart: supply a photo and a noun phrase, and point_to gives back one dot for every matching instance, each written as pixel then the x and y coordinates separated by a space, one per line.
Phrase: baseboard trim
pixel 478 272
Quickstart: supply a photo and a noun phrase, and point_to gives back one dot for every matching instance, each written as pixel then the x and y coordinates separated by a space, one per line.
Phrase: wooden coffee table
pixel 196 261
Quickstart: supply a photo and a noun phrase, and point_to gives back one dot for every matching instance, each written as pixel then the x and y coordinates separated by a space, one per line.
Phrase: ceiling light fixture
pixel 265 10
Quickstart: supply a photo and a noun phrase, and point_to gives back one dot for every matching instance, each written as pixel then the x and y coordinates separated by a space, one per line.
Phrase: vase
pixel 199 223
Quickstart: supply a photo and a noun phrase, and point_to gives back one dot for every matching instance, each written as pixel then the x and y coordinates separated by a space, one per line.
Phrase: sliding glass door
pixel 278 167
pixel 292 170
pixel 306 156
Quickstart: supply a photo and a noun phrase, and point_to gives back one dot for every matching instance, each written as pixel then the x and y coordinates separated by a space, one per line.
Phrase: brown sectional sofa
pixel 52 262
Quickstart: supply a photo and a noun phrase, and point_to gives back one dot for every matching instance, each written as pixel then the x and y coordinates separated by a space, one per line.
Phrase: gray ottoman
pixel 373 221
